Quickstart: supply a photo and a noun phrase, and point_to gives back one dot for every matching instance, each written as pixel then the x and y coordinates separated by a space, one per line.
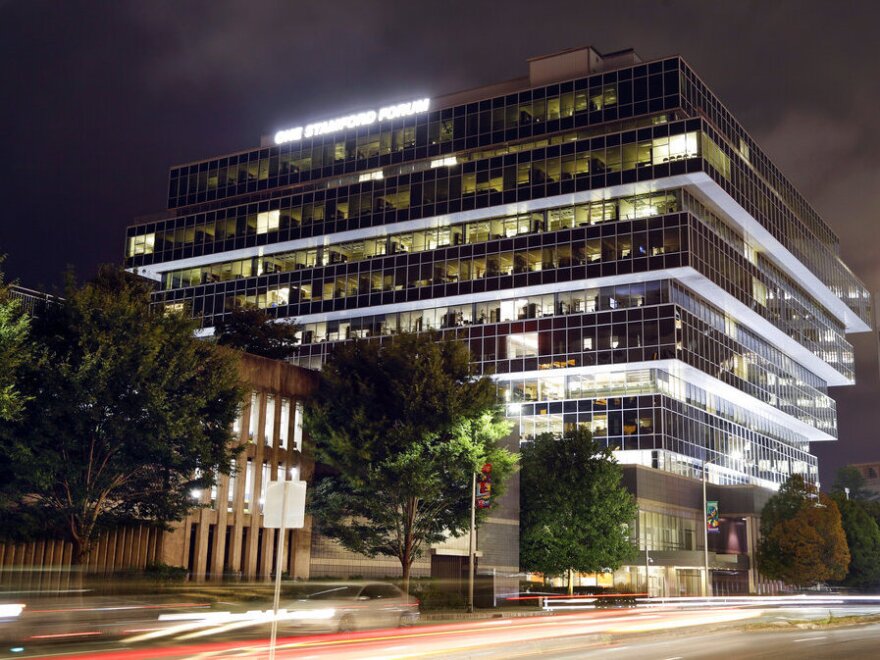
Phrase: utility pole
pixel 279 566
pixel 472 543
pixel 647 560
pixel 707 585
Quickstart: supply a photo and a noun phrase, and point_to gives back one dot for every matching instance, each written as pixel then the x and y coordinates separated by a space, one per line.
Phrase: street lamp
pixel 472 544
pixel 647 558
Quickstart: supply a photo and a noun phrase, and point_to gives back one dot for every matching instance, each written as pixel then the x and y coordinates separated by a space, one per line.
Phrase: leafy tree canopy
pixel 14 351
pixel 791 497
pixel 402 426
pixel 863 540
pixel 124 407
pixel 253 330
pixel 850 477
pixel 802 537
pixel 872 508
pixel 574 513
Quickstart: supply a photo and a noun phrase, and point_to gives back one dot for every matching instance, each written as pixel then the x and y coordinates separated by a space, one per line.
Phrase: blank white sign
pixel 295 494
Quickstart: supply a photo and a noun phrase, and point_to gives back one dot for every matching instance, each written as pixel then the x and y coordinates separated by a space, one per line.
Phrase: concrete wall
pixel 45 564
pixel 227 538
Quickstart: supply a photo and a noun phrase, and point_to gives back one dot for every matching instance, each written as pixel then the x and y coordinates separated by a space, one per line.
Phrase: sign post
pixel 481 498
pixel 471 544
pixel 707 524
pixel 284 509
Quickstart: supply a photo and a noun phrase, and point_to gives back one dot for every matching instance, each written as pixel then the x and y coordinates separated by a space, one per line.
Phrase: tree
pixel 127 412
pixel 850 477
pixel 574 511
pixel 14 351
pixel 863 540
pixel 402 427
pixel 802 538
pixel 872 508
pixel 252 330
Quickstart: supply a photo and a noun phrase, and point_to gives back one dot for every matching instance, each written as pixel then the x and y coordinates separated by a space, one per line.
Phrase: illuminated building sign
pixel 352 121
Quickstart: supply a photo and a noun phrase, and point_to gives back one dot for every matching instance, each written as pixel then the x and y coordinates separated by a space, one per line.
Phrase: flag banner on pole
pixel 484 487
pixel 712 520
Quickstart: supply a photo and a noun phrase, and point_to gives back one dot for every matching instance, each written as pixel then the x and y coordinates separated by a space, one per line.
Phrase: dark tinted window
pixel 380 591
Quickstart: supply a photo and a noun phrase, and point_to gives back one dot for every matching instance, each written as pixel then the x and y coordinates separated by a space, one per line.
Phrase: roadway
pixel 691 629
pixel 849 642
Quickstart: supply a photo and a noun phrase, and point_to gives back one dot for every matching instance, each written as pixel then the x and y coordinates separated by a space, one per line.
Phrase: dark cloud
pixel 100 97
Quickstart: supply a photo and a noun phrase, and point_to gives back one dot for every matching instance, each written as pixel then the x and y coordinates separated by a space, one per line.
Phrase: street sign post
pixel 285 508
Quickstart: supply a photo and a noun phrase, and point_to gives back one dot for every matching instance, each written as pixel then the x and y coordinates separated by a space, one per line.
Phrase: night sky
pixel 100 98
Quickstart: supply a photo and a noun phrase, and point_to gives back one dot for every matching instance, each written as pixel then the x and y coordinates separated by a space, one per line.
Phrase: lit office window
pixel 267 221
pixel 174 308
pixel 275 297
pixel 284 424
pixel 264 484
pixel 675 147
pixel 248 484
pixel 230 493
pixel 298 426
pixel 143 244
pixel 254 417
pixel 522 345
pixel 269 424
pixel 236 424
pixel 759 292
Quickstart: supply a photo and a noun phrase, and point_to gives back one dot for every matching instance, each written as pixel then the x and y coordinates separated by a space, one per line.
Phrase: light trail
pixel 445 638
pixel 185 637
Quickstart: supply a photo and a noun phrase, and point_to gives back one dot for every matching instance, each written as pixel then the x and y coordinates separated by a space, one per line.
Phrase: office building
pixel 611 243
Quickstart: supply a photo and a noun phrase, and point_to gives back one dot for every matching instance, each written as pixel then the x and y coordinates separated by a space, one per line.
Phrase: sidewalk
pixel 480 614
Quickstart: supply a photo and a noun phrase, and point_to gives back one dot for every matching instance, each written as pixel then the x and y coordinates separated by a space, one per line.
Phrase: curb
pixel 478 616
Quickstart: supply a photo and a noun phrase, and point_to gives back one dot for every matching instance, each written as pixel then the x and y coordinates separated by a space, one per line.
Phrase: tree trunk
pixel 406 565
pixel 406 558
pixel 570 581
pixel 77 569
pixel 160 549
pixel 79 553
pixel 80 539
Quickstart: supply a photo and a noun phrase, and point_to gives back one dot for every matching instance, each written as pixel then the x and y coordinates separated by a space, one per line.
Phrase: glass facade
pixel 614 248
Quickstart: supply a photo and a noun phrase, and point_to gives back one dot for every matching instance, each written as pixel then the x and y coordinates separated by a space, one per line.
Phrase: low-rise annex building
pixel 225 537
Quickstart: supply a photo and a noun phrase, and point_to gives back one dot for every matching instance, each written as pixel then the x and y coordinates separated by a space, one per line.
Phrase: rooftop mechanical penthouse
pixel 606 237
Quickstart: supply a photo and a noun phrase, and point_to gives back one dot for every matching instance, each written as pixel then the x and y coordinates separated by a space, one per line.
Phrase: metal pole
pixel 705 537
pixel 647 560
pixel 278 566
pixel 471 544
